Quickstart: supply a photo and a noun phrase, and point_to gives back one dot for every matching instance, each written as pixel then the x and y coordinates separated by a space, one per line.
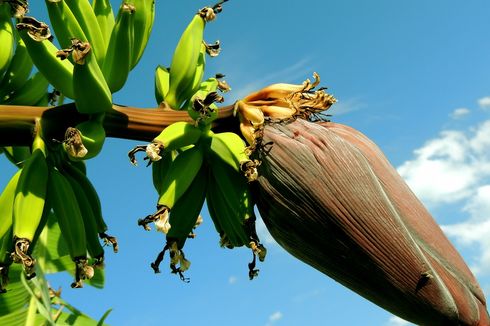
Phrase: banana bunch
pixel 175 86
pixel 192 164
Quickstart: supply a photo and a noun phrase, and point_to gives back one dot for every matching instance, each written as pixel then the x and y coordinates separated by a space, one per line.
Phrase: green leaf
pixel 17 296
pixel 104 317
pixel 16 318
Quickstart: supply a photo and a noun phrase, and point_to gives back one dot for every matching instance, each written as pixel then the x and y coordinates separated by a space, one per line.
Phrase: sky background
pixel 413 76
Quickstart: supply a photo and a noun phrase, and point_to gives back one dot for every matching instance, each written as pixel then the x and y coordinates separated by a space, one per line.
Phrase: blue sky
pixel 413 76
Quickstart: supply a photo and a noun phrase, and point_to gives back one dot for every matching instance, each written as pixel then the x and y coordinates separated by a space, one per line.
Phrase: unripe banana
pixel 64 23
pixel 162 83
pixel 184 214
pixel 177 180
pixel 6 37
pixel 177 135
pixel 83 12
pixel 58 72
pixel 71 168
pixel 105 17
pixel 6 249
pixel 229 148
pixel 29 94
pixel 94 248
pixel 70 220
pixel 7 204
pixel 29 207
pixel 92 94
pixel 143 23
pixel 234 198
pixel 160 169
pixel 84 141
pixel 118 60
pixel 198 107
pixel 184 63
pixel 220 215
pixel 18 71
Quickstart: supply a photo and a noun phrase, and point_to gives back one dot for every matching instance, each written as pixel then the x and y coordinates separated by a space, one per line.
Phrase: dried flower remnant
pixel 331 199
pixel 281 102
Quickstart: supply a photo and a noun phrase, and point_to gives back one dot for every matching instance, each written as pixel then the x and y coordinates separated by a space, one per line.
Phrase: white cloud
pixel 449 168
pixel 455 167
pixel 273 318
pixel 459 113
pixel 397 321
pixel 232 280
pixel 484 102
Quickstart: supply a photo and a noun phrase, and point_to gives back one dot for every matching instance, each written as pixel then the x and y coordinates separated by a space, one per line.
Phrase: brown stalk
pixel 17 122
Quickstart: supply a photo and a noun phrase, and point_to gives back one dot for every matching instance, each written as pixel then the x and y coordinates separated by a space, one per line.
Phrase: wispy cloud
pixel 455 168
pixel 273 318
pixel 232 280
pixel 297 70
pixel 484 103
pixel 344 106
pixel 459 113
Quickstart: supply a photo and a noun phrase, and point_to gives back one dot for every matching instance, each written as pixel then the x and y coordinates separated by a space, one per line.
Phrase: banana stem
pixel 17 122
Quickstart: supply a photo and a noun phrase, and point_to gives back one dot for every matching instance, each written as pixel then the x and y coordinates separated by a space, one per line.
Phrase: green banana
pixel 92 94
pixel 105 17
pixel 160 169
pixel 7 38
pixel 84 141
pixel 94 247
pixel 144 17
pixel 29 205
pixel 117 65
pixel 17 154
pixel 18 71
pixel 58 72
pixel 179 177
pixel 6 249
pixel 232 150
pixel 200 67
pixel 201 106
pixel 230 218
pixel 185 213
pixel 175 136
pixel 64 23
pixel 7 204
pixel 70 220
pixel 29 94
pixel 83 12
pixel 184 63
pixel 184 217
pixel 73 170
pixel 213 212
pixel 236 199
pixel 161 83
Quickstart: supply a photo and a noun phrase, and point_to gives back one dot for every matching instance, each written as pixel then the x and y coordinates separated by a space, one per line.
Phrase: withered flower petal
pixel 331 199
